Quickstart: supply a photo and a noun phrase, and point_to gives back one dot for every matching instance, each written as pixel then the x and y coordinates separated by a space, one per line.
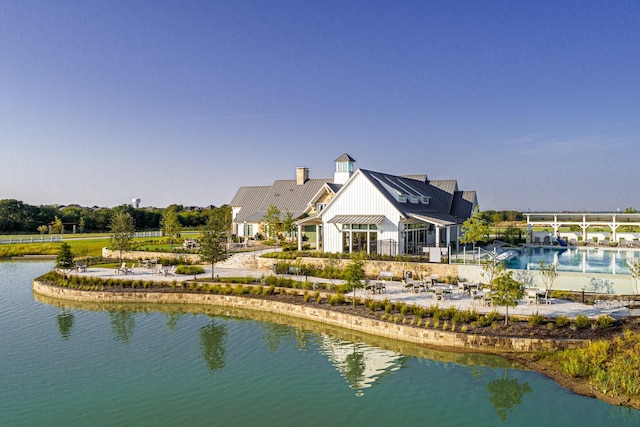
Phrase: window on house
pixel 402 198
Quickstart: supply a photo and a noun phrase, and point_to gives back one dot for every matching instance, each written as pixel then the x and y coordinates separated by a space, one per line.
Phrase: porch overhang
pixel 356 219
pixel 430 219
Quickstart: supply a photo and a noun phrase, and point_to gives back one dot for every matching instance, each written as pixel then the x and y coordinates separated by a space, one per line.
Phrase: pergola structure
pixel 584 220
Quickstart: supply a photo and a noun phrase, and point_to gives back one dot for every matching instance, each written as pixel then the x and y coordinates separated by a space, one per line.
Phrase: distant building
pixel 360 210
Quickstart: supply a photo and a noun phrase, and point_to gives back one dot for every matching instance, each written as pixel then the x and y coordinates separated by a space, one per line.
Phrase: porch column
pixel 448 236
pixel 437 236
pixel 318 228
pixel 584 228
pixel 299 237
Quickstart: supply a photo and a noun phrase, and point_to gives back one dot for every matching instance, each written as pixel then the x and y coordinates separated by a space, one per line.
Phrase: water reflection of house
pixel 361 365
pixel 360 210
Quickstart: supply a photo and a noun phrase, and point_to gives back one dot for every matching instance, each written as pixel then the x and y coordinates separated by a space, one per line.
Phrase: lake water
pixel 64 364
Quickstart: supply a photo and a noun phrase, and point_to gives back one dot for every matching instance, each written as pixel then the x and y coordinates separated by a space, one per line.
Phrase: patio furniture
pixel 475 296
pixel 380 287
pixel 128 270
pixel 157 269
pixel 81 267
pixel 121 268
pixel 486 298
pixel 369 287
pixel 168 271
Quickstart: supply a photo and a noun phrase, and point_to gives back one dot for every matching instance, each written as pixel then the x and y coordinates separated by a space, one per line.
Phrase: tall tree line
pixel 19 217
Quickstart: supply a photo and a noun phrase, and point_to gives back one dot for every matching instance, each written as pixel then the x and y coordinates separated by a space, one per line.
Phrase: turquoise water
pixel 576 259
pixel 65 364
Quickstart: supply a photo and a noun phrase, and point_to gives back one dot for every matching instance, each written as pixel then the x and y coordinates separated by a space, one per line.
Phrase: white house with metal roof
pixel 388 214
pixel 361 210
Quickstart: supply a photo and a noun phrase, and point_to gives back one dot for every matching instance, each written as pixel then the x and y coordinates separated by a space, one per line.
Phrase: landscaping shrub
pixel 582 321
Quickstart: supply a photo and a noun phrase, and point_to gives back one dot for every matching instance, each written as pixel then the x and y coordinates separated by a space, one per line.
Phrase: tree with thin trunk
pixel 170 224
pixel 634 270
pixel 122 229
pixel 474 229
pixel 549 273
pixel 288 224
pixel 213 242
pixel 354 273
pixel 507 292
pixel 64 260
pixel 272 221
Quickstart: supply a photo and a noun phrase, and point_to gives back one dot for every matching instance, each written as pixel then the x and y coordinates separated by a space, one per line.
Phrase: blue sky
pixel 533 104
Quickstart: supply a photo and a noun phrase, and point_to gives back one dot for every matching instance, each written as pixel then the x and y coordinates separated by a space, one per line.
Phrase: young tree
pixel 634 270
pixel 549 273
pixel 42 229
pixel 213 242
pixel 170 225
pixel 272 221
pixel 474 229
pixel 507 292
pixel 287 224
pixel 64 260
pixel 354 273
pixel 122 229
pixel 56 226
pixel 491 270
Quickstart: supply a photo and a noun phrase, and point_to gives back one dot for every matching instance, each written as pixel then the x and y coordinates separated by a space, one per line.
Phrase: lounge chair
pixel 81 267
pixel 121 268
pixel 129 270
pixel 168 271
pixel 157 269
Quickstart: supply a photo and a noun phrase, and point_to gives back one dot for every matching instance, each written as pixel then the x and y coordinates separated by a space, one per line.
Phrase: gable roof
pixel 249 200
pixel 285 194
pixel 441 208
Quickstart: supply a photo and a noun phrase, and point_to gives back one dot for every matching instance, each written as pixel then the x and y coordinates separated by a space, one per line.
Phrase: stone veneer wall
pixel 420 336
pixel 372 268
pixel 136 255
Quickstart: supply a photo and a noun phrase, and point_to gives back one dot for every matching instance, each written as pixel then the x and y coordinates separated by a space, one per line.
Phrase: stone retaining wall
pixel 420 336
pixel 136 255
pixel 373 268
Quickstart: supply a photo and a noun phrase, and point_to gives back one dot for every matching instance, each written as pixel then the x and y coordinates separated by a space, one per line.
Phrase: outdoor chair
pixel 168 271
pixel 121 268
pixel 128 270
pixel 475 296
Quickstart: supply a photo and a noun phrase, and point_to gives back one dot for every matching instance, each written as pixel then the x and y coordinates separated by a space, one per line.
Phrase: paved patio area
pixel 395 292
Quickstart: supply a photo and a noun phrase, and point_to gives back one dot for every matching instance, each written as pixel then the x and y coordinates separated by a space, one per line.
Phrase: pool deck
pixel 395 292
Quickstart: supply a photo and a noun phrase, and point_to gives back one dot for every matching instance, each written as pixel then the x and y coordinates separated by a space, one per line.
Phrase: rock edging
pixel 420 336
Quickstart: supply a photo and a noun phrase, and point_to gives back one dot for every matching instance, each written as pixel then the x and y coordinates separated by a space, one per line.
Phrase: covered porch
pixel 422 231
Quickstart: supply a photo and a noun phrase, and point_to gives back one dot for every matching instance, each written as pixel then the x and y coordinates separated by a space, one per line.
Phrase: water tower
pixel 135 203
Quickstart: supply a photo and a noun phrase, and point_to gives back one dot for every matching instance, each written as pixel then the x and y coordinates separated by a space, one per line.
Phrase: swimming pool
pixel 575 259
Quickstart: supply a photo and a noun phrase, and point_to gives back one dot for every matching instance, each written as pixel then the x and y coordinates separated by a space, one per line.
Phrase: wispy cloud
pixel 533 144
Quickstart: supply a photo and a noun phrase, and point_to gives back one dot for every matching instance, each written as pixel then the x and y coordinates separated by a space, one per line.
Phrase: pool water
pixel 575 259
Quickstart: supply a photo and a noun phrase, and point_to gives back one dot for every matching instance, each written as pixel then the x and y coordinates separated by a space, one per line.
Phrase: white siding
pixel 359 197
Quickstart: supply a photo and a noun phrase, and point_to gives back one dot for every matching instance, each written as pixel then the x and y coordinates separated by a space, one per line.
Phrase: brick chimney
pixel 302 175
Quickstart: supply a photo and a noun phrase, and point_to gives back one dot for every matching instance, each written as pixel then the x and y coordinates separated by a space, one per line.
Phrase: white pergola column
pixel 614 229
pixel 437 236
